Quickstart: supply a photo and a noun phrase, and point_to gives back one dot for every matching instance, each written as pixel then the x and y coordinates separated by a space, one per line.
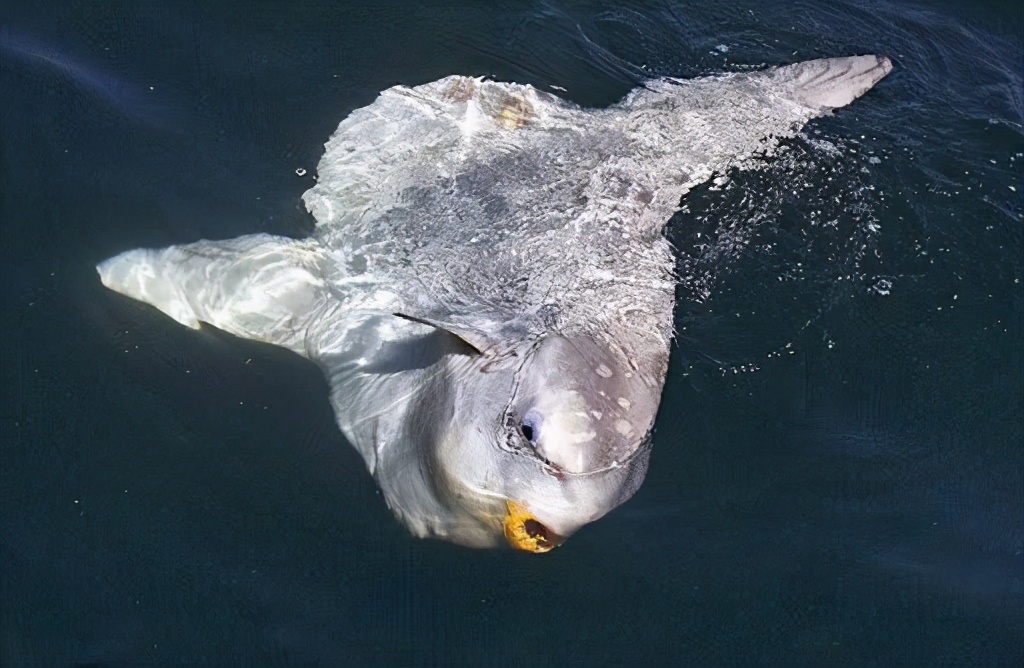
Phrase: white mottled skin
pixel 528 228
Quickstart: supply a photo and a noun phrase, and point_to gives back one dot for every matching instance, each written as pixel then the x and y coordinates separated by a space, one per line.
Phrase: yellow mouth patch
pixel 524 532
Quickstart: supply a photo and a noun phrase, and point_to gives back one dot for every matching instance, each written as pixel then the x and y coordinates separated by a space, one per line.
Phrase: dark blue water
pixel 838 467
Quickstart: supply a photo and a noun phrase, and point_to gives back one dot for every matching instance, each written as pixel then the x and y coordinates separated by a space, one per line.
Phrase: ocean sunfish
pixel 488 290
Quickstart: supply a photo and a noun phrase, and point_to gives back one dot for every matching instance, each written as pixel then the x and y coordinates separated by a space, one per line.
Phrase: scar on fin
pixel 461 89
pixel 516 112
pixel 509 110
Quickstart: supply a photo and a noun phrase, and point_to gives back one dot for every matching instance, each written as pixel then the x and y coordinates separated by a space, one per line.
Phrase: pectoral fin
pixel 494 337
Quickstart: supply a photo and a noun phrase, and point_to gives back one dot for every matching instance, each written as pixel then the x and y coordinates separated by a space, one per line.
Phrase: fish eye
pixel 530 426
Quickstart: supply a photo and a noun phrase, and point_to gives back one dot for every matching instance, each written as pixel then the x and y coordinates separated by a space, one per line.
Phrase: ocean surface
pixel 838 467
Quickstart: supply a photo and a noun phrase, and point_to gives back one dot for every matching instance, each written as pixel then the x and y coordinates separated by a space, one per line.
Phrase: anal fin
pixel 259 286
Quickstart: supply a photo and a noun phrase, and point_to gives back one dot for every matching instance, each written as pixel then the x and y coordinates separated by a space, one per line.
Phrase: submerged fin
pixel 258 286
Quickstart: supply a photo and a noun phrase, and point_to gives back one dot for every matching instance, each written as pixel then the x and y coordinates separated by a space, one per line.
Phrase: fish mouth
pixel 525 532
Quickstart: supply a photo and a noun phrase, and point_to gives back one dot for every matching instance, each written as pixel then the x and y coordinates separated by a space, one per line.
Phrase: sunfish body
pixel 488 289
